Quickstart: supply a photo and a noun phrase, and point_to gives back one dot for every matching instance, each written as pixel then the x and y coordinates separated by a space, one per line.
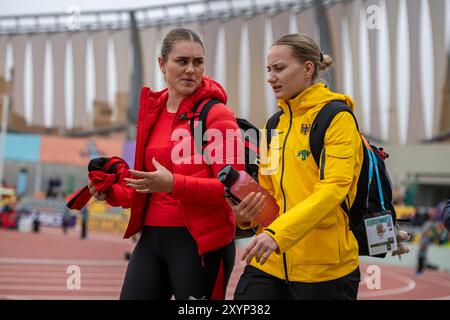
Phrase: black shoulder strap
pixel 202 117
pixel 194 109
pixel 272 123
pixel 321 124
pixel 204 113
pixel 318 130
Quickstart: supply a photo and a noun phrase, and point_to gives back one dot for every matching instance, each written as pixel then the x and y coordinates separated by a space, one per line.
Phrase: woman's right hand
pixel 249 207
pixel 100 196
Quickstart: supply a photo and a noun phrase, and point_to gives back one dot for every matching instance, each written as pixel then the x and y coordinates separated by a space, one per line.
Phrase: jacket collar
pixel 316 95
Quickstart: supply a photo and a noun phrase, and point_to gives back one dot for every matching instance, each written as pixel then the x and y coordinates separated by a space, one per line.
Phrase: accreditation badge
pixel 380 230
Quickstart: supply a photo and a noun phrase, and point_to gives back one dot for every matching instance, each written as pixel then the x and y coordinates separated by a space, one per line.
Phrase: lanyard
pixel 370 169
pixel 373 163
pixel 380 191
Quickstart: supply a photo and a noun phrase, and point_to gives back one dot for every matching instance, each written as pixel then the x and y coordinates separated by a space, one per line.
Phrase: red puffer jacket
pixel 207 215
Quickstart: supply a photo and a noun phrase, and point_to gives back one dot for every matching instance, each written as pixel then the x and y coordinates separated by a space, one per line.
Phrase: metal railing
pixel 199 11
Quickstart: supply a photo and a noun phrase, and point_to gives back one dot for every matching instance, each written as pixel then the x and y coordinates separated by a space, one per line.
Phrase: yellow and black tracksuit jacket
pixel 312 231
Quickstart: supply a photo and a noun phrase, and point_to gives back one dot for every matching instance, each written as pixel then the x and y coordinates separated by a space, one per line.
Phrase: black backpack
pixel 370 199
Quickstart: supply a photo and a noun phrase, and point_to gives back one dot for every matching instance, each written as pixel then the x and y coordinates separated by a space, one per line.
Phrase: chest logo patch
pixel 303 154
pixel 305 128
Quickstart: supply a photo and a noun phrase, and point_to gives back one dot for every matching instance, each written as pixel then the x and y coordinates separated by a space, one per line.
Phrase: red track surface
pixel 33 266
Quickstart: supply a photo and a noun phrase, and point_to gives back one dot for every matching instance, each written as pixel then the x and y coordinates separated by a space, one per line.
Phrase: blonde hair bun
pixel 326 63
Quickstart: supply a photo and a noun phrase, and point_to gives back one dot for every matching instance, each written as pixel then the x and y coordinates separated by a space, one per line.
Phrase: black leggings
pixel 255 284
pixel 166 262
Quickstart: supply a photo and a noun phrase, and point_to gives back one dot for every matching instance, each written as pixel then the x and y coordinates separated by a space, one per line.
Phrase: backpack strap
pixel 319 128
pixel 201 117
pixel 271 125
pixel 321 123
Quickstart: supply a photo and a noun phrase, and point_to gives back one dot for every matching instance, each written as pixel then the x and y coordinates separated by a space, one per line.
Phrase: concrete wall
pixel 432 160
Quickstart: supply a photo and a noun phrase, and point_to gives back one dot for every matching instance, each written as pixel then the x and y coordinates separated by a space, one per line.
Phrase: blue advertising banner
pixel 22 147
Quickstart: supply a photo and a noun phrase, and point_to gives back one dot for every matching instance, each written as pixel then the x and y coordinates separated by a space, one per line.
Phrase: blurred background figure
pixel 84 215
pixel 66 219
pixel 53 187
pixel 446 215
pixel 433 232
pixel 35 217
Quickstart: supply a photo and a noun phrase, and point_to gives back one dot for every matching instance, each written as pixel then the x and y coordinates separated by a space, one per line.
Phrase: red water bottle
pixel 238 184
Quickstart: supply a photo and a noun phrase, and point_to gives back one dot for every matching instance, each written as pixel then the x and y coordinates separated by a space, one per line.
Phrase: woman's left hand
pixel 261 248
pixel 160 180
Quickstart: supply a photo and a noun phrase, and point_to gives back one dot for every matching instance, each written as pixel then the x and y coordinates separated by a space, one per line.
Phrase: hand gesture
pixel 261 248
pixel 160 180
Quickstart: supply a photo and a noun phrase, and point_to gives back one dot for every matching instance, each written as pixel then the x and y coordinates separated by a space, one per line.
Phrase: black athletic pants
pixel 255 284
pixel 166 262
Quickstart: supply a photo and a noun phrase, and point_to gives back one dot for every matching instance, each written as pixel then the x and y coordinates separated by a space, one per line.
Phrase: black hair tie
pixel 321 57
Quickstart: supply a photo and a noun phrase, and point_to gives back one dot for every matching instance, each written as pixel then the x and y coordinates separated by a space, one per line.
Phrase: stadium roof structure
pixel 157 15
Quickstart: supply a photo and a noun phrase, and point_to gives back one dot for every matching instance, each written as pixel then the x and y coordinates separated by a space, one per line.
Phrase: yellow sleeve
pixel 341 143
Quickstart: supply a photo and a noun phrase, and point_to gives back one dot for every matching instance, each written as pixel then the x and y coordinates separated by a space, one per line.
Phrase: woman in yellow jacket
pixel 308 252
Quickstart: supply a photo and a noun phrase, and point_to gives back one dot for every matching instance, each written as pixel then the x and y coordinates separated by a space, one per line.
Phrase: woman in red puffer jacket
pixel 186 248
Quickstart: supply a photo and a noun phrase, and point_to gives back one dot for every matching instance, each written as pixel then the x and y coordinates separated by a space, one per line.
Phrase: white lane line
pixel 58 288
pixel 436 279
pixel 410 285
pixel 62 262
pixel 52 233
pixel 101 237
pixel 439 281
